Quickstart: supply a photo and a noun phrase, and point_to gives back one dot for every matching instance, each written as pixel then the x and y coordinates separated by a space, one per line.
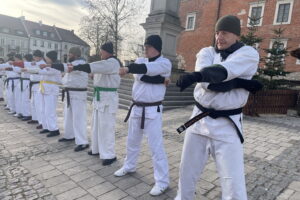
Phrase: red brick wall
pixel 190 42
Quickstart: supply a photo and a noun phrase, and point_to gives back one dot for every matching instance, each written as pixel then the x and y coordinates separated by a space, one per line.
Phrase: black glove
pixel 251 85
pixel 187 80
pixel 82 67
pixel 223 86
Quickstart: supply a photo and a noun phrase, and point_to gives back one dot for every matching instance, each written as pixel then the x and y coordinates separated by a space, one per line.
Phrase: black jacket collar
pixel 226 52
pixel 154 58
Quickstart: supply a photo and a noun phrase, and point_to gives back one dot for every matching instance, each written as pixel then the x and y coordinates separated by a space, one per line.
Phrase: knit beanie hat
pixel 28 57
pixel 75 51
pixel 52 55
pixel 38 53
pixel 230 24
pixel 108 47
pixel 154 41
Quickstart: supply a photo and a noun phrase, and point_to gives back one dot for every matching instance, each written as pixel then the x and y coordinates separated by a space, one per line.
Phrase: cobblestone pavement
pixel 35 167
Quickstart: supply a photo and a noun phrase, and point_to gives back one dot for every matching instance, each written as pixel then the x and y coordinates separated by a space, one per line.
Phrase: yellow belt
pixel 42 89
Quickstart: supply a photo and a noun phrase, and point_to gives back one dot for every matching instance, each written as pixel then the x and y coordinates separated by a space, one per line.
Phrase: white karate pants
pixel 36 104
pixel 153 132
pixel 49 118
pixel 103 133
pixel 75 121
pixel 229 162
pixel 25 104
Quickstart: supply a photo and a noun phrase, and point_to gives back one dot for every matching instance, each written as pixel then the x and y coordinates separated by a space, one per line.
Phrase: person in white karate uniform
pixel 22 88
pixel 105 103
pixel 74 89
pixel 220 133
pixel 49 88
pixel 12 79
pixel 145 114
pixel 25 86
pixel 2 73
pixel 34 89
pixel 16 67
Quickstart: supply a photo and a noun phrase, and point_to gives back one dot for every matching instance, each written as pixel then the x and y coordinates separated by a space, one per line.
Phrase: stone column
pixel 163 20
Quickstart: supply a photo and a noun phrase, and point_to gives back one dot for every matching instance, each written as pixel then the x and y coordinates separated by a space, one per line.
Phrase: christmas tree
pixel 274 62
pixel 251 38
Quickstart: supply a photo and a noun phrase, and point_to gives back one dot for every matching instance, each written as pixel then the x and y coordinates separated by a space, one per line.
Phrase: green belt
pixel 98 89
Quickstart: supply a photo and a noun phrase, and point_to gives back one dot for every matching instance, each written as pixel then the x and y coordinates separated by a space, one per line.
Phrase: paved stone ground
pixel 35 167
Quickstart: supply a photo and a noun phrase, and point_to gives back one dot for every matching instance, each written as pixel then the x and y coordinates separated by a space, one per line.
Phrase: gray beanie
pixel 230 24
pixel 75 51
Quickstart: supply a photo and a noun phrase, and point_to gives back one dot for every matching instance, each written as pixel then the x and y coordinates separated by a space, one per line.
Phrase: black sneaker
pixel 20 116
pixel 26 118
pixel 53 133
pixel 44 131
pixel 39 126
pixel 81 147
pixel 93 154
pixel 108 161
pixel 66 140
pixel 32 122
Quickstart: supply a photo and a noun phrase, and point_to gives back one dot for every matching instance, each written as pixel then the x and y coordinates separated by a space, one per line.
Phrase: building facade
pixel 23 36
pixel 198 17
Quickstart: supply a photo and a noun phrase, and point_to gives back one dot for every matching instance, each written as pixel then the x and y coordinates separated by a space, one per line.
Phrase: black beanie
pixel 28 57
pixel 38 53
pixel 52 55
pixel 154 41
pixel 19 56
pixel 230 24
pixel 108 47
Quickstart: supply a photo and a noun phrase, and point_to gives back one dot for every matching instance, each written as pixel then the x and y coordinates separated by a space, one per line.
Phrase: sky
pixel 61 13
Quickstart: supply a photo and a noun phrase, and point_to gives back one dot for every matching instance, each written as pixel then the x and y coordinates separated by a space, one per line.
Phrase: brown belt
pixel 66 90
pixel 143 105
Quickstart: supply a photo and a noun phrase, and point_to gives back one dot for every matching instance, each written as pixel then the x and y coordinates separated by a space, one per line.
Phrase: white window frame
pixel 298 60
pixel 277 9
pixel 187 21
pixel 253 5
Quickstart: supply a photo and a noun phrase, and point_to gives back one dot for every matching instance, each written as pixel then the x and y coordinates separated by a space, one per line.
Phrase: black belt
pixel 30 87
pixel 13 83
pixel 213 114
pixel 144 105
pixel 23 79
pixel 66 90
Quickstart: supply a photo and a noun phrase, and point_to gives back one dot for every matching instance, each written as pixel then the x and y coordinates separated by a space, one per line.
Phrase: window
pixel 256 13
pixel 5 30
pixel 49 45
pixel 56 46
pixel 190 22
pixel 298 60
pixel 37 32
pixel 12 43
pixel 66 46
pixel 282 44
pixel 283 12
pixel 2 42
pixel 45 34
pixel 42 43
pixel 22 44
pixel 20 32
pixel 34 43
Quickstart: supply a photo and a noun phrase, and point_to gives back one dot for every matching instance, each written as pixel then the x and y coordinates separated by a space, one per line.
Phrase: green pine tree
pixel 251 38
pixel 274 62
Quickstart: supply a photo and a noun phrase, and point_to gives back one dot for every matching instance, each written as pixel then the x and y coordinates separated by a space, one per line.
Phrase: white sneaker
pixel 157 190
pixel 16 115
pixel 11 112
pixel 122 172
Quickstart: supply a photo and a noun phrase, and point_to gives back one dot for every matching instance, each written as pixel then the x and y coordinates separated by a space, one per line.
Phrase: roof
pixel 69 36
pixel 26 28
pixel 12 26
